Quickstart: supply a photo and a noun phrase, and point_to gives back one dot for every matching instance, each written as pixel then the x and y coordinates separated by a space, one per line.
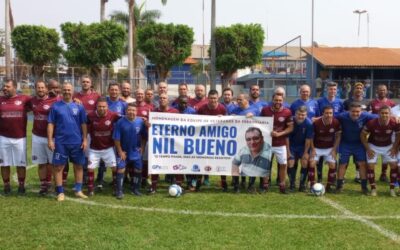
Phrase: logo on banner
pixel 195 168
pixel 221 169
pixel 155 167
pixel 207 168
pixel 75 111
pixel 179 167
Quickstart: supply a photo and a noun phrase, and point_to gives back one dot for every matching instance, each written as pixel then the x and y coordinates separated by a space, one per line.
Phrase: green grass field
pixel 206 220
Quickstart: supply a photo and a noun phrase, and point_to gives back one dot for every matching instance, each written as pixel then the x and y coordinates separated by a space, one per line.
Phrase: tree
pixel 165 45
pixel 2 43
pixel 93 45
pixel 37 46
pixel 237 47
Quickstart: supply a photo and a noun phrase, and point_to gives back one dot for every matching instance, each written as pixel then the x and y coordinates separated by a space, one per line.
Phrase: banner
pixel 212 145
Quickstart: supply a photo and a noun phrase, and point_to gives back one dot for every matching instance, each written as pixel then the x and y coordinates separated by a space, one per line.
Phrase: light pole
pixel 213 49
pixel 312 49
pixel 359 13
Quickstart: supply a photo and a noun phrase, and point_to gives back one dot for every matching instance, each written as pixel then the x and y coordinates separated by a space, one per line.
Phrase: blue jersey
pixel 189 111
pixel 130 133
pixel 336 104
pixel 251 109
pixel 259 105
pixel 351 129
pixel 312 107
pixel 118 106
pixel 67 119
pixel 229 107
pixel 301 132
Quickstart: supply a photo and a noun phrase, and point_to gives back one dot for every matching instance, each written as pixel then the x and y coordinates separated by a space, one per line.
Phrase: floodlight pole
pixel 359 13
pixel 103 68
pixel 312 49
pixel 7 39
pixel 213 49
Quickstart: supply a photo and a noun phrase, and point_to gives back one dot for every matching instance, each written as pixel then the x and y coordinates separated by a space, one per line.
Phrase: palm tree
pixel 135 18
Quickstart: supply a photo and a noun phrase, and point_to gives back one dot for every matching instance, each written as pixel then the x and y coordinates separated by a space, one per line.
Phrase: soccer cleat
pixel 357 180
pixel 328 188
pixel 60 197
pixel 302 188
pixel 292 188
pixel 251 190
pixel 393 193
pixel 243 184
pixel 338 190
pixel 374 192
pixel 43 192
pixel 119 195
pixel 137 192
pixel 150 191
pixel 90 193
pixel 81 195
pixel 21 190
pixel 236 190
pixel 365 191
pixel 99 187
pixel 262 190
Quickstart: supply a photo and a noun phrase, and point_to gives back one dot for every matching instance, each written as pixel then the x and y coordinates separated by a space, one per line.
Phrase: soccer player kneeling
pixel 100 127
pixel 380 131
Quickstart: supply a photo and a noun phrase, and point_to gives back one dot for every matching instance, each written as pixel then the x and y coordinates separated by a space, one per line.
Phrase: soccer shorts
pixel 296 152
pixel 71 151
pixel 355 150
pixel 324 152
pixel 134 163
pixel 383 151
pixel 12 152
pixel 281 154
pixel 107 155
pixel 41 154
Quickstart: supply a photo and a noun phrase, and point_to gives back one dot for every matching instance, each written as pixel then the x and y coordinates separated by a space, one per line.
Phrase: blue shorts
pixel 355 150
pixel 72 151
pixel 296 152
pixel 135 163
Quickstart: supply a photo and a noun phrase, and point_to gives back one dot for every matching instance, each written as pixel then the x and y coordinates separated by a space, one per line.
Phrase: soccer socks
pixel 100 173
pixel 393 177
pixel 303 176
pixel 178 179
pixel 119 182
pixel 78 187
pixel 59 189
pixel 21 181
pixel 292 176
pixel 331 176
pixel 224 185
pixel 384 169
pixel 154 181
pixel 90 183
pixel 320 166
pixel 65 174
pixel 43 185
pixel 235 180
pixel 371 178
pixel 339 183
pixel 311 175
pixel 137 180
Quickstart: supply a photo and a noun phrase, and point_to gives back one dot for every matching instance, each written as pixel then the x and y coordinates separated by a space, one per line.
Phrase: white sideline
pixel 347 214
pixel 389 234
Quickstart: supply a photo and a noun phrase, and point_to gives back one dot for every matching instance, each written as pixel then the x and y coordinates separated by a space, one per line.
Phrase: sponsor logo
pixel 207 168
pixel 75 111
pixel 179 167
pixel 107 123
pixel 46 107
pixel 144 112
pixel 91 102
pixel 331 130
pixel 3 103
pixel 17 103
pixel 221 169
pixel 281 119
pixel 195 168
pixel 389 131
pixel 159 167
pixel 137 130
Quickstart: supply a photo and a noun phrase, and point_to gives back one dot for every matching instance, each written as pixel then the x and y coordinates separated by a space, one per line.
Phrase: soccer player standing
pixel 255 98
pixel 379 142
pixel 100 128
pixel 227 96
pixel 67 124
pixel 126 92
pixel 305 100
pixel 352 123
pixel 41 154
pixel 13 120
pixel 200 97
pixel 283 126
pixel 327 133
pixel 129 138
pixel 299 144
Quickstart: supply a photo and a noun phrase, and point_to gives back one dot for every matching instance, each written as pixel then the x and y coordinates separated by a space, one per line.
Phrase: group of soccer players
pixel 92 132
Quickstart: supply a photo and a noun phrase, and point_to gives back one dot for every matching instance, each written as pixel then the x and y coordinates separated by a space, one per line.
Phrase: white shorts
pixel 324 152
pixel 383 151
pixel 12 152
pixel 41 154
pixel 107 155
pixel 280 153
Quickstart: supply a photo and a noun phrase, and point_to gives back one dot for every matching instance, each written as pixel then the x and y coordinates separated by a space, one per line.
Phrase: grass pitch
pixel 209 219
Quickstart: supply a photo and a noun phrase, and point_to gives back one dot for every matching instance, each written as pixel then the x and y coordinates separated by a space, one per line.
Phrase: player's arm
pixel 338 136
pixel 121 153
pixel 84 136
pixel 395 146
pixel 50 133
pixel 307 147
pixel 364 140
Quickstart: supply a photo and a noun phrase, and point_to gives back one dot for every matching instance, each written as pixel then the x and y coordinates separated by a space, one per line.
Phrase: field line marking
pixel 389 234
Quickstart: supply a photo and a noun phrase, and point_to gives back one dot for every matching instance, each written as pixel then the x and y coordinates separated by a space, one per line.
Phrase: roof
pixel 356 57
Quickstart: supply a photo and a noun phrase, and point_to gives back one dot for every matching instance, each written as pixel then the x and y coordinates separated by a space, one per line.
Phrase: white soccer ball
pixel 175 190
pixel 318 189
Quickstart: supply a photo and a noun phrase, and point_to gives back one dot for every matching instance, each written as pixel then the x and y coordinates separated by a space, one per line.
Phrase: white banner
pixel 213 145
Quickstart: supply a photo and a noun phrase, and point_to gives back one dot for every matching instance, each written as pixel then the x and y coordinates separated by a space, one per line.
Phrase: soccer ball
pixel 175 190
pixel 318 189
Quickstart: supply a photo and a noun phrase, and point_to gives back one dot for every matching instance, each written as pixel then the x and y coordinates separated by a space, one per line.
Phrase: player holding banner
pixel 379 142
